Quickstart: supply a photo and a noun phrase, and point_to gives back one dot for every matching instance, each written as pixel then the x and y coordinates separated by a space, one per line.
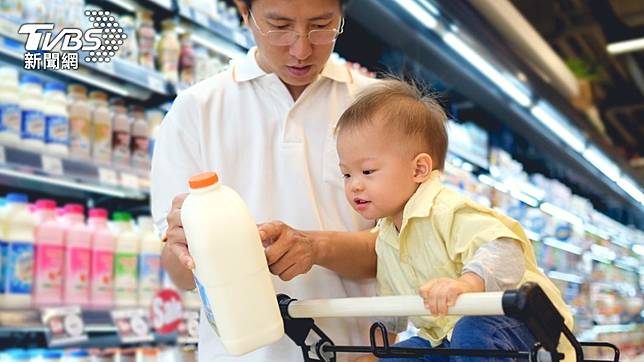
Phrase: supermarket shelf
pixel 592 333
pixel 567 277
pixel 118 76
pixel 554 243
pixel 232 36
pixel 24 328
pixel 67 176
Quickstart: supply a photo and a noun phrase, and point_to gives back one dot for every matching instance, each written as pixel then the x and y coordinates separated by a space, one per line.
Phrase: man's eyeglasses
pixel 288 37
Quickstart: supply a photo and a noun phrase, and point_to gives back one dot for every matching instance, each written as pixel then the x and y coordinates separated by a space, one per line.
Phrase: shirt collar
pixel 246 69
pixel 420 203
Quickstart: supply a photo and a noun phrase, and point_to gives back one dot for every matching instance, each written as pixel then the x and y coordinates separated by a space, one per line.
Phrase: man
pixel 266 127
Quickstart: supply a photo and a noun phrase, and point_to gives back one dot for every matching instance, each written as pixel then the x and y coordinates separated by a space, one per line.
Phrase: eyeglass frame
pixel 308 35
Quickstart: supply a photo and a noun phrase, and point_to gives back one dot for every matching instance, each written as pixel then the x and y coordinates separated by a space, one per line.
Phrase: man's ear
pixel 243 10
pixel 422 164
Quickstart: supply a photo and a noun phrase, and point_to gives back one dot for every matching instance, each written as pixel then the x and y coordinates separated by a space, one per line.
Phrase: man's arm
pixel 180 275
pixel 293 252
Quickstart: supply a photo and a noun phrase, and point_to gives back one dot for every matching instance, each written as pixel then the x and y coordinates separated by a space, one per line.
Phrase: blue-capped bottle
pixel 56 119
pixel 19 225
pixel 32 127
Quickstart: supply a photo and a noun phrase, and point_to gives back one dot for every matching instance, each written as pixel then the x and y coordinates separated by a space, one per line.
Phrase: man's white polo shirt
pixel 280 156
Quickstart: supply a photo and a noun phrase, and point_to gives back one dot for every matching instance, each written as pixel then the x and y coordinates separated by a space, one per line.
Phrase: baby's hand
pixel 441 293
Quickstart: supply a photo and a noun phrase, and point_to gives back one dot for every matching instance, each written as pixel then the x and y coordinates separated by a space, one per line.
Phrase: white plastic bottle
pixel 4 249
pixel 19 228
pixel 120 133
pixel 230 267
pixel 56 119
pixel 125 260
pixel 102 127
pixel 140 143
pixel 80 114
pixel 9 105
pixel 149 261
pixel 32 126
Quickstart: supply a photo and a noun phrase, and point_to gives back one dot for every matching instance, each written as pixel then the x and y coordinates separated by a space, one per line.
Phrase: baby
pixel 431 240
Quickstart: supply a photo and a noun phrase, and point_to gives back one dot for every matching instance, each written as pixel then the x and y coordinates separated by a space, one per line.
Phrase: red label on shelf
pixel 166 311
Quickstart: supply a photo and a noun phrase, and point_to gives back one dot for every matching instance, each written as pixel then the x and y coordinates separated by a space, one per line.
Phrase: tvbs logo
pixel 101 41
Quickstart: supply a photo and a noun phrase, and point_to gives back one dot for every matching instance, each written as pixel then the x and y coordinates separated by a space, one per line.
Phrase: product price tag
pixel 52 165
pixel 200 18
pixel 188 332
pixel 166 311
pixel 3 157
pixel 64 325
pixel 132 325
pixel 107 176
pixel 130 181
pixel 240 39
pixel 157 84
pixel 106 67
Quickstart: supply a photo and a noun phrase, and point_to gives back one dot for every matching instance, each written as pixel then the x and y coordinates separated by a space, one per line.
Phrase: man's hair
pixel 250 2
pixel 404 108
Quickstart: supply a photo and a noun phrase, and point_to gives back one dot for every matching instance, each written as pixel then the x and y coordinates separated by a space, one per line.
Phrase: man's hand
pixel 441 293
pixel 176 238
pixel 289 252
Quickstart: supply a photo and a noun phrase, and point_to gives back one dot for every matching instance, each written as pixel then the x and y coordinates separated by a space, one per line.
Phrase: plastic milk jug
pixel 19 232
pixel 125 260
pixel 50 255
pixel 78 238
pixel 102 260
pixel 149 262
pixel 230 267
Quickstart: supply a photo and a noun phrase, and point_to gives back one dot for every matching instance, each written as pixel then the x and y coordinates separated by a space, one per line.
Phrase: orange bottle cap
pixel 202 180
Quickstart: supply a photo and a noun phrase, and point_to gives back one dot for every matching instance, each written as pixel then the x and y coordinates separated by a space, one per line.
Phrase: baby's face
pixel 378 171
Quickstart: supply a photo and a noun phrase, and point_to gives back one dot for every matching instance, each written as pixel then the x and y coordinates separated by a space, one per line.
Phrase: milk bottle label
pixel 125 274
pixel 103 261
pixel 79 269
pixel 20 268
pixel 79 139
pixel 49 267
pixel 121 147
pixel 4 252
pixel 10 118
pixel 102 142
pixel 210 316
pixel 149 273
pixel 57 130
pixel 33 125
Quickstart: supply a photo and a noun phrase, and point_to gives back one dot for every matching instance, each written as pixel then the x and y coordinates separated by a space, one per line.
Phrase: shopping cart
pixel 528 304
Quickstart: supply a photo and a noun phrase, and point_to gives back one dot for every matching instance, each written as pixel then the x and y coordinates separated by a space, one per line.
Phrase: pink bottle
pixel 50 255
pixel 103 243
pixel 78 238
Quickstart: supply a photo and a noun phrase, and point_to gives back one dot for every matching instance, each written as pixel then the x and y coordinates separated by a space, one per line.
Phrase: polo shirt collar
pixel 246 69
pixel 418 206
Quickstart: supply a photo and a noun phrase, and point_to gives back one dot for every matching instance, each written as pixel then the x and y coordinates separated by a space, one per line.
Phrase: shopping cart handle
pixel 529 304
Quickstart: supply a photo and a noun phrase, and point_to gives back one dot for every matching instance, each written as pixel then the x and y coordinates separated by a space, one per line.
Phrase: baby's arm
pixel 500 263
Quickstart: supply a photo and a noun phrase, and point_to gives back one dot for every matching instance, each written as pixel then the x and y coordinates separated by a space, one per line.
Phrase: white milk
pixel 231 271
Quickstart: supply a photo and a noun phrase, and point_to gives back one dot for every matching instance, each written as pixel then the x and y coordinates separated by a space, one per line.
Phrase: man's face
pixel 297 64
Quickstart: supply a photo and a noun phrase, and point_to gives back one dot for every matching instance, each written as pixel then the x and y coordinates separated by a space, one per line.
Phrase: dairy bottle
pixel 125 260
pixel 56 119
pixel 102 260
pixel 230 267
pixel 10 114
pixel 102 127
pixel 120 133
pixel 77 256
pixel 149 261
pixel 154 118
pixel 4 247
pixel 19 232
pixel 50 255
pixel 32 121
pixel 80 142
pixel 140 142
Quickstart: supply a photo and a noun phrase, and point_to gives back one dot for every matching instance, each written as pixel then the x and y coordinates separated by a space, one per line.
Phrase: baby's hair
pixel 405 108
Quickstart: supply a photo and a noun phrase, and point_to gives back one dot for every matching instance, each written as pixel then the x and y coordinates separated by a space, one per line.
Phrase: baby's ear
pixel 422 167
